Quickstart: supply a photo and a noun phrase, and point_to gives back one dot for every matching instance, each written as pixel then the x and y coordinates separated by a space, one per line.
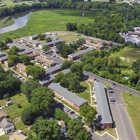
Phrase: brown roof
pixel 2 113
pixel 33 54
pixel 44 60
pixel 21 66
pixel 17 136
pixel 98 45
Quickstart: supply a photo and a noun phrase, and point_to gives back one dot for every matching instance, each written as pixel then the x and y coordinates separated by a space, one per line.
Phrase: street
pixel 123 124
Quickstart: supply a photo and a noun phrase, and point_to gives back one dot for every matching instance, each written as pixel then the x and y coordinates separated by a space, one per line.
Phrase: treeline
pixel 8 11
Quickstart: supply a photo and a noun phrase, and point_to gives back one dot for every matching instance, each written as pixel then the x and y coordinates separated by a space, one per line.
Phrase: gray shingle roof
pixel 25 52
pixel 53 69
pixel 51 77
pixel 19 46
pixel 4 58
pixel 28 40
pixel 67 94
pixel 102 103
pixel 2 53
pixel 81 52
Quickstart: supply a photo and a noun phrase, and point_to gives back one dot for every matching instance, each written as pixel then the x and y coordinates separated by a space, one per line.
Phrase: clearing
pixel 132 103
pixel 127 55
pixel 50 20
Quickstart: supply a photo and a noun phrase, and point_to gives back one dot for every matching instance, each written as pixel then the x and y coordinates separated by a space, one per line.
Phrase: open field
pixel 128 55
pixel 86 93
pixel 132 106
pixel 100 0
pixel 13 111
pixel 68 37
pixel 50 20
pixel 9 3
pixel 6 22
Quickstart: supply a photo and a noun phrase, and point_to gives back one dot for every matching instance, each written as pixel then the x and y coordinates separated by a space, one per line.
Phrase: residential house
pixel 52 70
pixel 29 42
pixel 33 37
pixel 25 52
pixel 54 50
pixel 77 55
pixel 63 126
pixel 7 125
pixel 2 114
pixel 33 55
pixel 104 116
pixel 21 68
pixel 49 79
pixel 18 135
pixel 45 61
pixel 67 96
pixel 3 57
pixel 19 46
pixel 99 47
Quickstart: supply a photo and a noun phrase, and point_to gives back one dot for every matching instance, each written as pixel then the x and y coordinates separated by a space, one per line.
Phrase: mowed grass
pixel 86 93
pixel 132 104
pixel 13 111
pixel 6 22
pixel 128 55
pixel 50 20
pixel 68 37
pixel 9 3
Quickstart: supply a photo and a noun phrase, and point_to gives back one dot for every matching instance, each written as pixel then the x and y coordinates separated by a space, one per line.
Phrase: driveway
pixel 1 132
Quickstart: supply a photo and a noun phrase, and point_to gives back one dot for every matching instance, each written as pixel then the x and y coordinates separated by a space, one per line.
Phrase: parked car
pixel 72 112
pixel 114 84
pixel 112 99
pixel 66 135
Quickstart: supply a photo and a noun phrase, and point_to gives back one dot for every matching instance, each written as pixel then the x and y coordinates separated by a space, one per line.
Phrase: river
pixel 20 20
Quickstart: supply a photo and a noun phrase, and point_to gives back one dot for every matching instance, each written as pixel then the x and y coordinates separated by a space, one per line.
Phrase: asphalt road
pixel 120 116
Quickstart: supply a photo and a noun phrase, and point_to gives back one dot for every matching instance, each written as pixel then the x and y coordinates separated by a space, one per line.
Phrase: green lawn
pixel 86 93
pixel 128 55
pixel 13 111
pixel 50 20
pixel 132 104
pixel 68 37
pixel 6 22
pixel 9 3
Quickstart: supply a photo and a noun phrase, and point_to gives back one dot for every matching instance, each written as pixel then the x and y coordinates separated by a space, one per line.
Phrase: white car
pixel 66 135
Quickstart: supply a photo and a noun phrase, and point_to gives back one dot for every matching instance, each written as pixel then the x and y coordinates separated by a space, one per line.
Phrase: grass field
pixel 128 55
pixel 6 22
pixel 9 3
pixel 50 20
pixel 86 93
pixel 132 104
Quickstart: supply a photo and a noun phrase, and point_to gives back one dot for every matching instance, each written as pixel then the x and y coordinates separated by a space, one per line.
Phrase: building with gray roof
pixel 53 70
pixel 25 52
pixel 50 78
pixel 77 55
pixel 104 115
pixel 67 96
pixel 19 46
pixel 2 54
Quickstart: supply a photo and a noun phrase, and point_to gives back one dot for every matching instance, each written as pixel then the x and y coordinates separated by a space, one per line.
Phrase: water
pixel 20 21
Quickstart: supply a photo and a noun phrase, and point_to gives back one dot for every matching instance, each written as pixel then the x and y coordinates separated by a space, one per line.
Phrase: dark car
pixel 114 84
pixel 72 112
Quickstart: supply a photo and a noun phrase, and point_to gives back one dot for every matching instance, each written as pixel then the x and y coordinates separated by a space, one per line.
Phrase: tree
pixel 8 40
pixel 41 100
pixel 35 71
pixel 12 59
pixel 76 68
pixel 25 59
pixel 27 116
pixel 13 51
pixel 48 39
pixel 66 64
pixel 88 112
pixel 73 127
pixel 58 77
pixel 133 79
pixel 28 87
pixel 41 36
pixel 47 130
pixel 82 135
pixel 2 45
pixel 61 115
pixel 45 48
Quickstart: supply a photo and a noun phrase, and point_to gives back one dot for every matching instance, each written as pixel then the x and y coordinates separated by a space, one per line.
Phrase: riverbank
pixel 6 22
pixel 50 20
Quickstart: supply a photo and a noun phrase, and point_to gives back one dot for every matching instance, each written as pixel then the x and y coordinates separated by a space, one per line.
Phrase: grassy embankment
pixel 14 112
pixel 6 22
pixel 132 103
pixel 50 20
